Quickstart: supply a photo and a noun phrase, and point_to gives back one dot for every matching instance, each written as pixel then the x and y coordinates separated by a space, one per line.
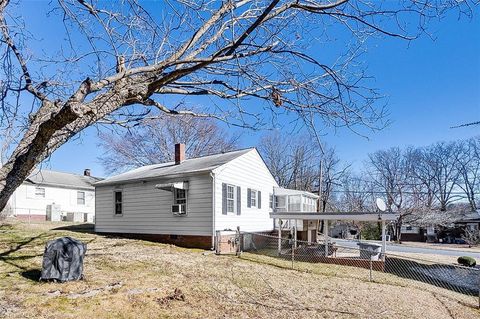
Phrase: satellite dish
pixel 381 204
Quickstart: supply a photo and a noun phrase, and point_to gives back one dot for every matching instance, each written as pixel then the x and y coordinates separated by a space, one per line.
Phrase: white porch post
pixel 279 236
pixel 384 240
pixel 325 235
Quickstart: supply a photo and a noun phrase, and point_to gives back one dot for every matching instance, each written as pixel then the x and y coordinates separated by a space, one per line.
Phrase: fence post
pixel 238 242
pixel 294 244
pixel 279 237
pixel 371 264
pixel 217 242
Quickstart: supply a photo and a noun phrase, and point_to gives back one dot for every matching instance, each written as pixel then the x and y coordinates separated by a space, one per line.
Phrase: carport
pixel 327 217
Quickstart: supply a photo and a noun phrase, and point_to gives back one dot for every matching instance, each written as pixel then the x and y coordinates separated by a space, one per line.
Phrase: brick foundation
pixel 33 218
pixel 377 265
pixel 188 241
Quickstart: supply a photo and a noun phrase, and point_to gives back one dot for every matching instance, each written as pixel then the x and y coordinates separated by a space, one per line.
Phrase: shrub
pixel 472 237
pixel 466 261
pixel 371 231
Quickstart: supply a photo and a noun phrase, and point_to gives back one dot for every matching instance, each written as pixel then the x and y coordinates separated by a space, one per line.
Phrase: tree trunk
pixel 54 124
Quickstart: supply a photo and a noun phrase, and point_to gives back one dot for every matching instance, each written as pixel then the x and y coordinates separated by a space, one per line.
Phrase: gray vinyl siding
pixel 249 172
pixel 147 210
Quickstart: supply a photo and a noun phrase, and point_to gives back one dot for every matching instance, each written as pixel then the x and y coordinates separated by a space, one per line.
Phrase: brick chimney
pixel 86 172
pixel 179 153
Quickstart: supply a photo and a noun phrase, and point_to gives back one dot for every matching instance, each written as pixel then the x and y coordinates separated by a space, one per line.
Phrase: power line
pixel 407 193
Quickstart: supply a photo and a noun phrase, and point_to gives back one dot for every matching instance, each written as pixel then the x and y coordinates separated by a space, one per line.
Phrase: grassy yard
pixel 139 279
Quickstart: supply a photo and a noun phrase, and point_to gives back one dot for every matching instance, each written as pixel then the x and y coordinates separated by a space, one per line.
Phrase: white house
pixel 52 195
pixel 185 202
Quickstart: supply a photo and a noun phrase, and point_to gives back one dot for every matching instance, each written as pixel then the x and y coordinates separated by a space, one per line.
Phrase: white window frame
pixel 276 202
pixel 84 198
pixel 43 191
pixel 253 198
pixel 115 202
pixel 180 200
pixel 232 200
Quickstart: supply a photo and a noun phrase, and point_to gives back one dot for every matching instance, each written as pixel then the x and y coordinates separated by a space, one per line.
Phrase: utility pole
pixel 320 196
pixel 320 187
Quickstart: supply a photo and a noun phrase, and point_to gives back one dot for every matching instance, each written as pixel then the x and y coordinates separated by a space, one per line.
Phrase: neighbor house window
pixel 40 192
pixel 230 199
pixel 118 203
pixel 270 202
pixel 80 198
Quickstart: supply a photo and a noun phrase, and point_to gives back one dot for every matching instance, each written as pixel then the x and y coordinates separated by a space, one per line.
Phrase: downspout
pixel 213 210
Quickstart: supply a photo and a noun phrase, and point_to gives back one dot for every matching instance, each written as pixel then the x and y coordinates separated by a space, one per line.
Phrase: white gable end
pixel 245 172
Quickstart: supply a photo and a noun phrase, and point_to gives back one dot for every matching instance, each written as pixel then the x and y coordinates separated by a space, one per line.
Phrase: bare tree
pixel 468 165
pixel 118 60
pixel 292 159
pixel 152 141
pixel 422 180
pixel 390 172
pixel 471 236
pixel 441 160
pixel 332 175
pixel 357 194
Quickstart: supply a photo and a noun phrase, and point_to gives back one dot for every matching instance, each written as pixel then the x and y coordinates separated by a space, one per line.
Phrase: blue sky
pixel 430 85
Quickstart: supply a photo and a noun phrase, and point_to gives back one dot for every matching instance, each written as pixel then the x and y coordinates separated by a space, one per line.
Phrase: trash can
pixel 370 250
pixel 63 260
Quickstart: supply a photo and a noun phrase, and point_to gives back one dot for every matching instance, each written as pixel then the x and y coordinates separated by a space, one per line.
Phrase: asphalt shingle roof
pixel 189 166
pixel 60 179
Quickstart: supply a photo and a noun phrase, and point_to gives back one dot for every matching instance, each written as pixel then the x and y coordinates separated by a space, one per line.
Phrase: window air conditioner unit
pixel 179 210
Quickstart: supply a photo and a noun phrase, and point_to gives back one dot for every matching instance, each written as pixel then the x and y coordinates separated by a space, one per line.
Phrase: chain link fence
pixel 365 262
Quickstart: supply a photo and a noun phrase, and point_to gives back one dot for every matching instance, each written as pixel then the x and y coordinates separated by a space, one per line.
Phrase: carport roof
pixel 359 216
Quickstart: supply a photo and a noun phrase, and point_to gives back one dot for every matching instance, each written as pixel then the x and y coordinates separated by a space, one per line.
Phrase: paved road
pixel 392 247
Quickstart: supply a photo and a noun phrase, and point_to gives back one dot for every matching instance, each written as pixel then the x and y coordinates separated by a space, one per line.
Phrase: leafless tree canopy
pixel 108 59
pixel 294 160
pixel 423 185
pixel 152 140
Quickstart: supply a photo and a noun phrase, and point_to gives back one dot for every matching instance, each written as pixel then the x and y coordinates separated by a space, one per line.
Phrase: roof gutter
pixel 148 179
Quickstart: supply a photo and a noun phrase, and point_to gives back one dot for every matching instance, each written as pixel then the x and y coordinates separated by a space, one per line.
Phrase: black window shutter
pixel 249 197
pixel 224 199
pixel 239 200
pixel 259 195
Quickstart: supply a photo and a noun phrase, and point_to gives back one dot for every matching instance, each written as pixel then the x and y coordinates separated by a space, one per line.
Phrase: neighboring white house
pixel 185 202
pixel 51 195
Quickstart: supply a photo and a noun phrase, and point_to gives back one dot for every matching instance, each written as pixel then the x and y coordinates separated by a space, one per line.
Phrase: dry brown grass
pixel 138 279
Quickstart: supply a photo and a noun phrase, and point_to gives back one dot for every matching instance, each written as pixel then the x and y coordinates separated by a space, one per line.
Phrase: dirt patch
pixel 176 295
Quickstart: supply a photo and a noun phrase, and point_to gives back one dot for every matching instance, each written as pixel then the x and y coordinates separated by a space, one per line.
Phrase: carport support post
pixel 384 240
pixel 325 235
pixel 295 234
pixel 279 236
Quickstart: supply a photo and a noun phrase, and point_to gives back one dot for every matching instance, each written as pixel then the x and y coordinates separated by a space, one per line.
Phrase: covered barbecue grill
pixel 63 259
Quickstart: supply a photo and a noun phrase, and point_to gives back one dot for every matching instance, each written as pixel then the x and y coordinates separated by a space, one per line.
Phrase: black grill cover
pixel 63 259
